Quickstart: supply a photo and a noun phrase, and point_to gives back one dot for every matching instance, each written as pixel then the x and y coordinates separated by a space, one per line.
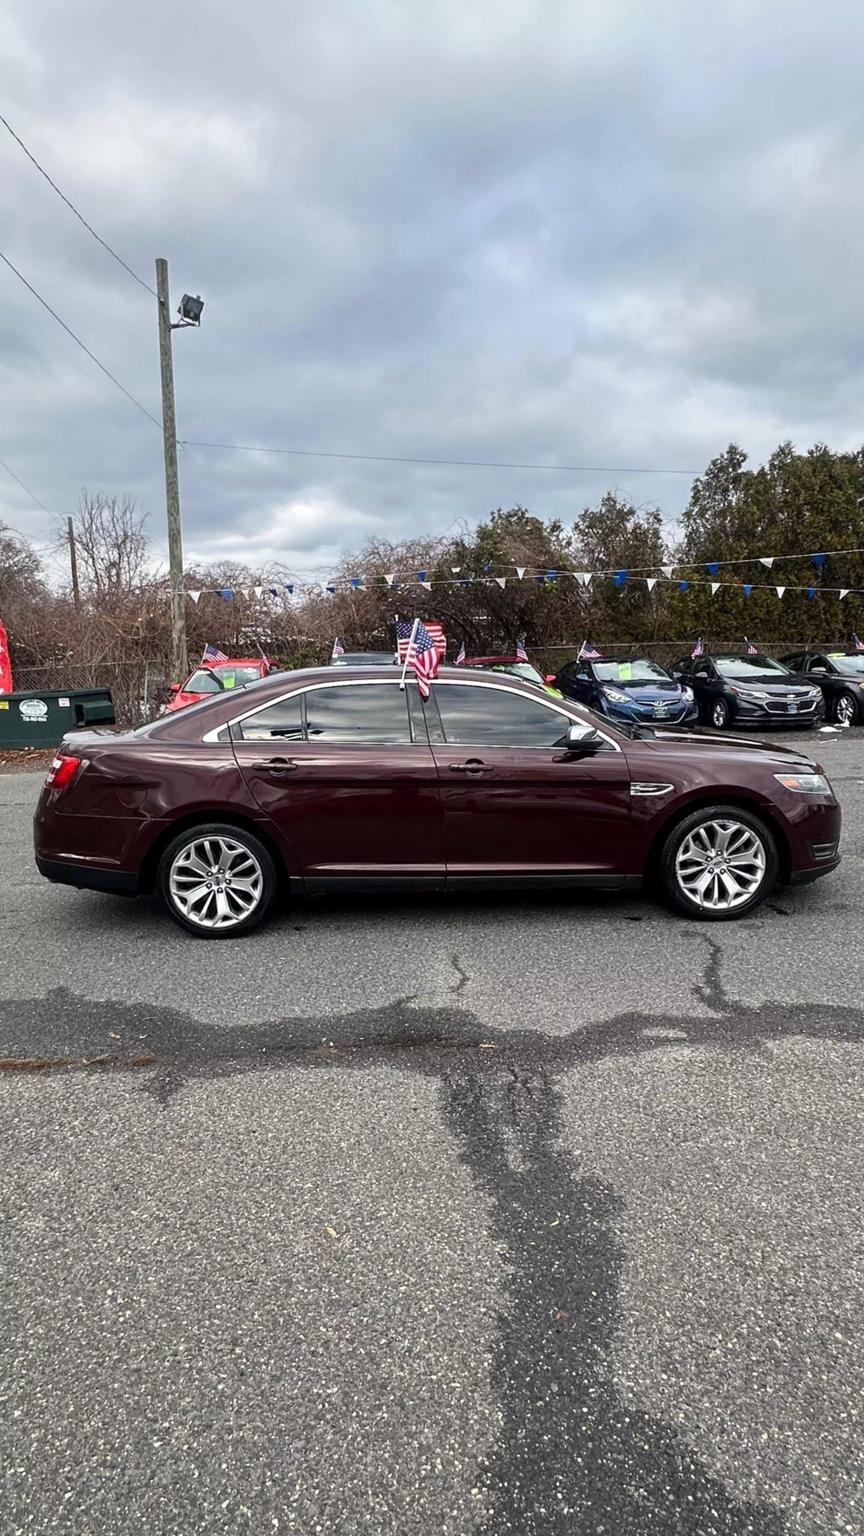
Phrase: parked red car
pixel 324 780
pixel 218 678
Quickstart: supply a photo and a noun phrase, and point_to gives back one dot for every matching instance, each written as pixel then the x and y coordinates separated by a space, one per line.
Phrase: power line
pixel 77 339
pixel 71 206
pixel 386 458
pixel 32 494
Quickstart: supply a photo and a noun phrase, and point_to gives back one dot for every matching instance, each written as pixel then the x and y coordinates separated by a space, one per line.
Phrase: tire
pixel 720 714
pixel 246 897
pixel 695 840
pixel 846 709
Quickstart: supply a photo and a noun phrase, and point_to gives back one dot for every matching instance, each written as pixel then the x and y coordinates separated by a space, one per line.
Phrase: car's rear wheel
pixel 718 863
pixel 720 714
pixel 217 880
pixel 846 709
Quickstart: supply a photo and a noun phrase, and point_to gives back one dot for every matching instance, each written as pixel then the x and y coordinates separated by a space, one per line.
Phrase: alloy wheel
pixel 844 710
pixel 720 714
pixel 721 864
pixel 215 882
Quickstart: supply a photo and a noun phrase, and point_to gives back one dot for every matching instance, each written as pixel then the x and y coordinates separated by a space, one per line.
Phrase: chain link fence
pixel 138 688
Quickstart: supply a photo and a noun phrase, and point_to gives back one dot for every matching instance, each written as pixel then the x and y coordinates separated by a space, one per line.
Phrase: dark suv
pixel 750 689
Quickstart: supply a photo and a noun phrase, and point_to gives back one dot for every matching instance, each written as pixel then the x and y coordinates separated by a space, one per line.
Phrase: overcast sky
pixel 574 231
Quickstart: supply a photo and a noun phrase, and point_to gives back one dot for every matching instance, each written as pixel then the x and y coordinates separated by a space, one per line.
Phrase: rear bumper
pixel 88 877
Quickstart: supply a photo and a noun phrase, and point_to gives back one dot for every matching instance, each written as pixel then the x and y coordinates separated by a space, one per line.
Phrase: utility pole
pixel 73 561
pixel 179 659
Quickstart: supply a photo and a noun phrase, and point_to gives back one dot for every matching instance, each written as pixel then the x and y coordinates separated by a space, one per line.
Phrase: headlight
pixel 687 693
pixel 815 693
pixel 861 685
pixel 805 783
pixel 751 693
pixel 617 695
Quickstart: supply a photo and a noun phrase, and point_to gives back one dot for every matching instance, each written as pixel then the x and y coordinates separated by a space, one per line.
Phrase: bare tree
pixel 112 545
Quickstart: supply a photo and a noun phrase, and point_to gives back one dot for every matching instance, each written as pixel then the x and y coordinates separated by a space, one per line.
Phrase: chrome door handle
pixel 474 765
pixel 276 766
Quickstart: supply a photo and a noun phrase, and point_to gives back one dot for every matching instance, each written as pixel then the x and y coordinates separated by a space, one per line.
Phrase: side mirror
pixel 583 740
pixel 175 687
pixel 550 677
pixel 818 671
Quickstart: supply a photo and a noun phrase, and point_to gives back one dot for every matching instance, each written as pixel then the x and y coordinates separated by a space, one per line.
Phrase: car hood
pixel 793 684
pixel 646 693
pixel 683 745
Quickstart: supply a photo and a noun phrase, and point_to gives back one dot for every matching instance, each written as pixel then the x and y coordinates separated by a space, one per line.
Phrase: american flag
pixel 521 653
pixel 858 644
pixel 421 653
pixel 751 649
pixel 338 649
pixel 460 659
pixel 212 655
pixel 698 649
pixel 436 631
pixel 587 652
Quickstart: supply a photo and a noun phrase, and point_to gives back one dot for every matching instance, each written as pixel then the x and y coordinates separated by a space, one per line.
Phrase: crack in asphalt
pixel 573 1457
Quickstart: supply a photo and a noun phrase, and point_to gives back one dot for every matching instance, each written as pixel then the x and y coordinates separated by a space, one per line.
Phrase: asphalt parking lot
pixel 522 1216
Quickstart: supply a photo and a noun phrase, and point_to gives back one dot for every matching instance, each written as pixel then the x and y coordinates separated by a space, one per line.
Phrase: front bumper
pixel 647 714
pixel 760 712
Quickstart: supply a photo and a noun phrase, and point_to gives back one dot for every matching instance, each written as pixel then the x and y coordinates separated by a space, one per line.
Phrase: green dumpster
pixel 41 718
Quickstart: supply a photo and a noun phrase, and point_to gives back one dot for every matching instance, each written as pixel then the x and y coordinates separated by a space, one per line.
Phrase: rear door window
pixel 366 712
pixel 282 721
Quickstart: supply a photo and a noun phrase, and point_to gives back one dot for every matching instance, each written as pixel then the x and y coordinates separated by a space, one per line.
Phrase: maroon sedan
pixel 321 782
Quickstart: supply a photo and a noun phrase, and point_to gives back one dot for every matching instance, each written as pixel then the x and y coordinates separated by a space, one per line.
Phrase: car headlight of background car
pixel 805 783
pixel 687 693
pixel 617 696
pixel 751 693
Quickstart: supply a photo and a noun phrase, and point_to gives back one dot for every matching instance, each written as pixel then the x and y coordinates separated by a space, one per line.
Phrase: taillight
pixel 62 771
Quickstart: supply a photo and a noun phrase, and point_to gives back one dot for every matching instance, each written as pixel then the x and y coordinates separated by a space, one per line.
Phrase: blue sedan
pixel 628 688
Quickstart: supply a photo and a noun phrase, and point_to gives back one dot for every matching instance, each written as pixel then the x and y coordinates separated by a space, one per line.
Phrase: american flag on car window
pixel 588 652
pixel 421 653
pixel 435 630
pixel 212 655
pixel 338 649
pixel 460 659
pixel 751 649
pixel 521 653
pixel 698 649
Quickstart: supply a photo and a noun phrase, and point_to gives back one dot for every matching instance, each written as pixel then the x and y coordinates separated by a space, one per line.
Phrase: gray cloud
pixel 597 233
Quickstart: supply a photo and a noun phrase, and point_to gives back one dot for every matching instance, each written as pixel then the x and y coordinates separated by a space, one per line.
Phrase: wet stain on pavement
pixel 573 1457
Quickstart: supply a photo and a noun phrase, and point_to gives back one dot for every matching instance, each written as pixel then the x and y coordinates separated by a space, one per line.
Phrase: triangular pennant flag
pixel 502 581
pixel 427 585
pixel 650 582
pixel 584 577
pixel 715 587
pixel 520 571
pixel 455 569
pixel 330 587
pixel 683 585
pixel 551 575
pixel 227 593
pixel 289 588
pixel 259 591
pixel 818 560
pixel 390 579
pixel 844 592
pixel 779 591
pixel 811 591
pixel 713 567
pixel 356 582
pixel 667 571
pixel 766 560
pixel 746 588
pixel 619 577
pixel 421 577
pixel 194 596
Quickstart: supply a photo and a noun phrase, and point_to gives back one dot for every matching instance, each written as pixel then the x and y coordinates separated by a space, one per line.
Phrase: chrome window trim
pixel 441 682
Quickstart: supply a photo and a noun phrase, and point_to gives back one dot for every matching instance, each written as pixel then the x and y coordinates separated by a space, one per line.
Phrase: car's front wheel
pixel 720 714
pixel 217 880
pixel 846 709
pixel 718 863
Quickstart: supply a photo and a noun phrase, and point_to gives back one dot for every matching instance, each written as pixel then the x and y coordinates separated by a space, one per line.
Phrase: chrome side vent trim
pixel 651 789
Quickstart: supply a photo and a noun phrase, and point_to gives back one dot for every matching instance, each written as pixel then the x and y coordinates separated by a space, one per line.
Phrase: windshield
pixel 521 669
pixel 214 679
pixel 751 669
pixel 853 666
pixel 642 670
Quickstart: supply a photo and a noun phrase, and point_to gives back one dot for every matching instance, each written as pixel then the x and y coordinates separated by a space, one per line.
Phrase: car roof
pixel 231 661
pixel 476 661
